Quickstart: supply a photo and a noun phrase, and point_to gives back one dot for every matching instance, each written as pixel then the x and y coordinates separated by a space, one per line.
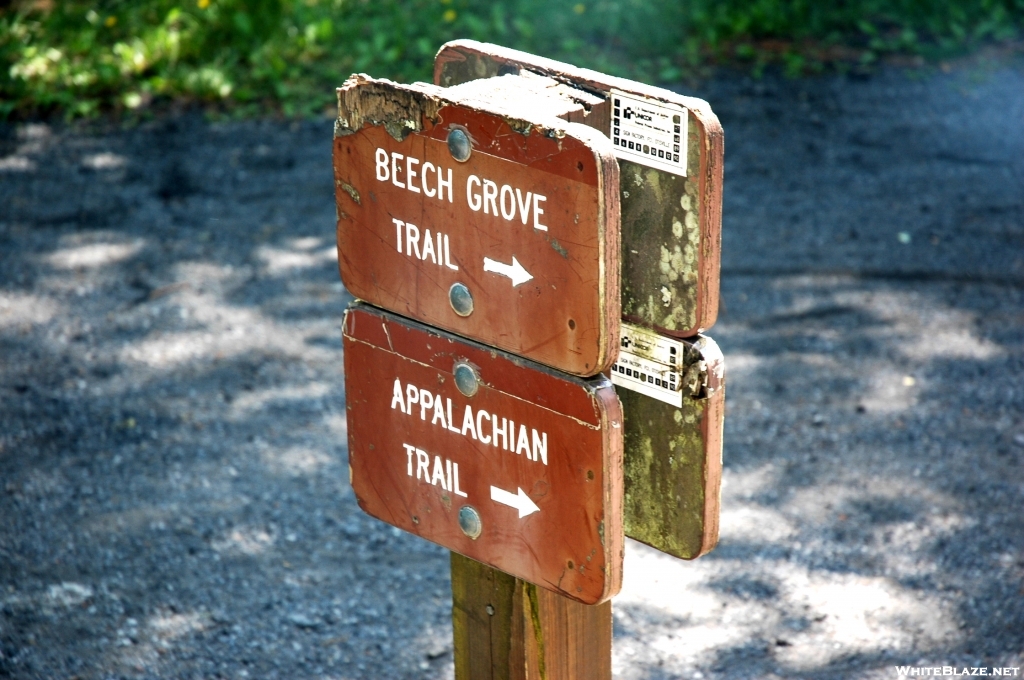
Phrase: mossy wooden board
pixel 672 451
pixel 671 225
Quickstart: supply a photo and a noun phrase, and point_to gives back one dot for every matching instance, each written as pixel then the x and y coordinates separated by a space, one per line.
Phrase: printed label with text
pixel 649 132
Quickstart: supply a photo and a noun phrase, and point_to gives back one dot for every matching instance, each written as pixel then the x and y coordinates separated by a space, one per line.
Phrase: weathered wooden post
pixel 486 219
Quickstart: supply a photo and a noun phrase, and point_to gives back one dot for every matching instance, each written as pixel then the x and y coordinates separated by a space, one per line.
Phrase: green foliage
pixel 252 56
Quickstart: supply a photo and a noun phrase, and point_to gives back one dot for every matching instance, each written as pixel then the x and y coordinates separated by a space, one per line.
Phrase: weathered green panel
pixel 673 456
pixel 660 243
pixel 664 473
pixel 670 227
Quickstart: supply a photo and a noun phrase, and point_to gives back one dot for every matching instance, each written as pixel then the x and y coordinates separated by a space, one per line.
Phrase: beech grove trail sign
pixel 487 216
pixel 502 460
pixel 671 380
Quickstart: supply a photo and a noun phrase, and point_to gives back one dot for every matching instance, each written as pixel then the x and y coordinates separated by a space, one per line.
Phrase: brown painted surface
pixel 566 316
pixel 673 459
pixel 671 225
pixel 507 629
pixel 573 543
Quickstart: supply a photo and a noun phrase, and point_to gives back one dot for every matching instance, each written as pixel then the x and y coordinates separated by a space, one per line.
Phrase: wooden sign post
pixel 497 404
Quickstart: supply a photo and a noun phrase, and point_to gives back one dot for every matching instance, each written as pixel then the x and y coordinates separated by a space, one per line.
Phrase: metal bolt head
pixel 461 299
pixel 459 144
pixel 466 378
pixel 469 522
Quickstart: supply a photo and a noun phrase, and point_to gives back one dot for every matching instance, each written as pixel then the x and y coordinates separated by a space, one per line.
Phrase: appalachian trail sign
pixel 511 464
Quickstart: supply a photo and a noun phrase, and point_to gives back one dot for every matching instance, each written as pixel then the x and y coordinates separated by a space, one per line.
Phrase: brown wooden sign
pixel 670 150
pixel 506 462
pixel 488 217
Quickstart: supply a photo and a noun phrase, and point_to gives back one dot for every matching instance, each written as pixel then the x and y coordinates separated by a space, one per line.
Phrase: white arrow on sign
pixel 520 501
pixel 513 271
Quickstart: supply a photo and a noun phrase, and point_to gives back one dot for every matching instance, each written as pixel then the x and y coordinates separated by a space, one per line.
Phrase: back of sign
pixel 670 151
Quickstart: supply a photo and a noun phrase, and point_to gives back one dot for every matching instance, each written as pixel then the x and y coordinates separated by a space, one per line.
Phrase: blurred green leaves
pixel 252 57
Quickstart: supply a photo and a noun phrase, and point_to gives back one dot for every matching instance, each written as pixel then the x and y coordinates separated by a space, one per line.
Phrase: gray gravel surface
pixel 173 483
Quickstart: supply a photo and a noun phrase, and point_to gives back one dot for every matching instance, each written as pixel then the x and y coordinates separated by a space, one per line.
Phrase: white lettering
pixel 423 182
pixel 537 212
pixel 524 206
pixel 438 413
pixel 397 397
pixel 412 396
pixel 451 423
pixel 428 247
pixel 448 255
pixel 409 450
pixel 496 431
pixel 441 184
pixel 410 173
pixel 422 464
pixel 511 212
pixel 395 158
pixel 540 447
pixel 472 198
pixel 391 167
pixel 467 422
pixel 436 246
pixel 480 428
pixel 426 401
pixel 523 443
pixel 398 230
pixel 412 240
pixel 438 474
pixel 455 482
pixel 490 193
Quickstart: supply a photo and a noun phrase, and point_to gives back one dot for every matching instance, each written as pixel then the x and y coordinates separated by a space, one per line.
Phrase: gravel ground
pixel 173 486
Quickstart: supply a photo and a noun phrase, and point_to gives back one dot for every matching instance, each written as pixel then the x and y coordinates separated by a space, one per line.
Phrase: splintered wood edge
pixel 712 430
pixel 401 109
pixel 711 169
pixel 614 537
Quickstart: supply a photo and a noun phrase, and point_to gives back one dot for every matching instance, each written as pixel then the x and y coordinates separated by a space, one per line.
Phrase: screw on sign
pixel 671 201
pixel 494 220
pixel 504 461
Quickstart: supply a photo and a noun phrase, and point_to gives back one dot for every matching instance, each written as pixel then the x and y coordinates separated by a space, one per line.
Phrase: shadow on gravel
pixel 173 481
pixel 172 425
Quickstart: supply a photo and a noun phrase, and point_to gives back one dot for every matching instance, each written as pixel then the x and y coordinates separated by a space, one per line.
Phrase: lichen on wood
pixel 664 473
pixel 661 241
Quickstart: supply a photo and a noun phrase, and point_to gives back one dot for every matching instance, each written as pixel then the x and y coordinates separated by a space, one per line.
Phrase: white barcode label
pixel 649 132
pixel 650 364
